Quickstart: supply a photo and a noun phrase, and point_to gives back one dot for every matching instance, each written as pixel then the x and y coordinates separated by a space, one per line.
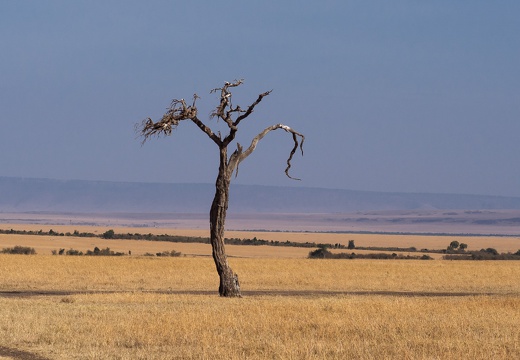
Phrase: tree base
pixel 229 285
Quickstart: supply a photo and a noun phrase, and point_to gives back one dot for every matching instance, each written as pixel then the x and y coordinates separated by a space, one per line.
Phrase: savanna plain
pixel 148 307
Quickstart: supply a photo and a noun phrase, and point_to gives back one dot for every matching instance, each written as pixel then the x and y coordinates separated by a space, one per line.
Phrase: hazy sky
pixel 401 96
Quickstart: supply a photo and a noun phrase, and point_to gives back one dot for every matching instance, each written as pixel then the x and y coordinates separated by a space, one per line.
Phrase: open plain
pixel 143 307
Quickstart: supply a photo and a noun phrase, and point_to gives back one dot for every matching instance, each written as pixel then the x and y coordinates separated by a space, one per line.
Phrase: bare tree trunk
pixel 229 285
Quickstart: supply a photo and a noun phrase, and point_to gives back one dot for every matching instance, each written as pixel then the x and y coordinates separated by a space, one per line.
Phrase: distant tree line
pixel 47 233
pixel 111 235
pixel 454 251
pixel 324 253
pixel 484 254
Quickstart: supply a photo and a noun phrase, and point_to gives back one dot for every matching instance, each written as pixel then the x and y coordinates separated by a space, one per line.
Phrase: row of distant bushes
pixel 22 250
pixel 25 250
pixel 320 253
pixel 110 234
pixel 324 253
pixel 483 254
pixel 454 247
pixel 455 250
pixel 47 233
pixel 96 252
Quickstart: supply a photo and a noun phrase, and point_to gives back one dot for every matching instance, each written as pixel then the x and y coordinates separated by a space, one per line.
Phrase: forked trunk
pixel 229 285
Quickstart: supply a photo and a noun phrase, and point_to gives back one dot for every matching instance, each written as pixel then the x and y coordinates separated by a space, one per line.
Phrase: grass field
pixel 136 307
pixel 164 308
pixel 159 326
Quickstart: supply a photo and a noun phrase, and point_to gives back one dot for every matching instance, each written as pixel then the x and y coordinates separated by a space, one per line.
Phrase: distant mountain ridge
pixel 48 195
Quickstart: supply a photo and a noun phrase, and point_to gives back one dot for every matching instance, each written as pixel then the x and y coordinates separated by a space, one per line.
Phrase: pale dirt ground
pixel 502 222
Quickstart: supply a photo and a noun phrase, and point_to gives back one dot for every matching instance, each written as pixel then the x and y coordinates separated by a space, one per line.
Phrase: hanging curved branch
pixel 239 155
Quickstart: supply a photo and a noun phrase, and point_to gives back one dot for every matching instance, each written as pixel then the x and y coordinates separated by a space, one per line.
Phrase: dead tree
pixel 232 116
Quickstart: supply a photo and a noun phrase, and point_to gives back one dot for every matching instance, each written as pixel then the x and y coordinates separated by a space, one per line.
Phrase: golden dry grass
pixel 137 322
pixel 151 326
pixel 307 309
pixel 69 273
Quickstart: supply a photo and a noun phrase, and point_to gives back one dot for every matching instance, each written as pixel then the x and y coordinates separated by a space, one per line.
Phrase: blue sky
pixel 401 96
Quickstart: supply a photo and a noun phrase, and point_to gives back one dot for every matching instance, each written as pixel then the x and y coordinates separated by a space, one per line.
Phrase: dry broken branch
pixel 177 112
pixel 225 102
pixel 238 156
pixel 251 107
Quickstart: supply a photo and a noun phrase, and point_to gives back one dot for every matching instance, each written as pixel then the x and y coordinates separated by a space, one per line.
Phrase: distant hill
pixel 47 195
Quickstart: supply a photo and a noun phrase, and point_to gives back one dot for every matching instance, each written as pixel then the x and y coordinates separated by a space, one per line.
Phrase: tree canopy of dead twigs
pixel 232 115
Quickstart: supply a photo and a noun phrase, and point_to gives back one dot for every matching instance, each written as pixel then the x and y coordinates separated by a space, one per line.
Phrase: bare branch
pixel 238 156
pixel 225 109
pixel 245 114
pixel 251 107
pixel 208 131
pixel 225 102
pixel 237 152
pixel 195 97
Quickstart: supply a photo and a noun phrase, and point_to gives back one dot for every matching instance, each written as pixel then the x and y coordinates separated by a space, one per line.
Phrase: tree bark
pixel 229 285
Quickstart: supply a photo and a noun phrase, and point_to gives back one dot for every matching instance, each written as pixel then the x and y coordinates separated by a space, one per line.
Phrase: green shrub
pixel 320 253
pixel 108 234
pixel 24 250
pixel 74 252
pixel 454 244
pixel 491 251
pixel 103 252
pixel 172 253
